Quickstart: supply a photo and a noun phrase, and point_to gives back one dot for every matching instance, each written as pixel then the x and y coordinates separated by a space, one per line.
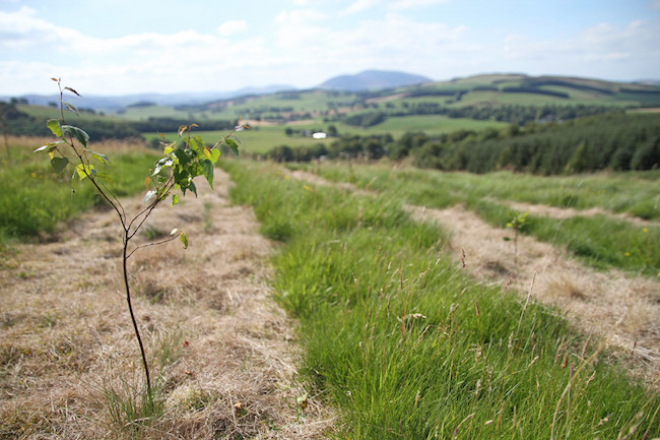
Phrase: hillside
pixel 373 80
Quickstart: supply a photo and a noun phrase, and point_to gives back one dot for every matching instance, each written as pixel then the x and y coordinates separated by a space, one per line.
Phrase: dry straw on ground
pixel 223 352
pixel 561 213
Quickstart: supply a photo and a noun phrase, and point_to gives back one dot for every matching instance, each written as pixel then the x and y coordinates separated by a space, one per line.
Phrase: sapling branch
pixel 151 244
pixel 181 165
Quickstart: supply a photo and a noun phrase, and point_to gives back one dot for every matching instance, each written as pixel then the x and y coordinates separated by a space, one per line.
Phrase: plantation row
pixel 515 114
pixel 601 241
pixel 616 142
pixel 406 345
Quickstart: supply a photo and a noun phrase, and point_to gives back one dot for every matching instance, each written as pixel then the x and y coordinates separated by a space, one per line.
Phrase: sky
pixel 121 47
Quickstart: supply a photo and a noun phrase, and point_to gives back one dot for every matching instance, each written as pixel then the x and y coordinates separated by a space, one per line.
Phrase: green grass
pixel 407 346
pixel 33 199
pixel 602 241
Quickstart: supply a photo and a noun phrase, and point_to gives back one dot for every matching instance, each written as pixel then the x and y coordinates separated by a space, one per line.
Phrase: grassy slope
pixel 408 347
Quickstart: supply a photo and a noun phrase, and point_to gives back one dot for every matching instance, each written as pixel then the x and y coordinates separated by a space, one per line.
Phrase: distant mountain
pixel 373 79
pixel 98 102
pixel 648 82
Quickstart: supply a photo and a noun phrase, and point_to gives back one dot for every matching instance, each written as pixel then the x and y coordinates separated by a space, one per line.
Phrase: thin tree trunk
pixel 130 309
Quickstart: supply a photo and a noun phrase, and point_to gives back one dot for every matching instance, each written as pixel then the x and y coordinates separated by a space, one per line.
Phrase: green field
pixel 263 138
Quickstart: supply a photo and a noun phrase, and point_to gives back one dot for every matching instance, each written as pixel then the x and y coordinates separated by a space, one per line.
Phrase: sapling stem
pixel 183 165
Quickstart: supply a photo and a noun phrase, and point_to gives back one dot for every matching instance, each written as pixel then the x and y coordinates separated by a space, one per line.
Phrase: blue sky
pixel 121 47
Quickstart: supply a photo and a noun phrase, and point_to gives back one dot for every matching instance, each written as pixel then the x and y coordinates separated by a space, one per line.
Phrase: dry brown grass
pixel 561 213
pixel 220 348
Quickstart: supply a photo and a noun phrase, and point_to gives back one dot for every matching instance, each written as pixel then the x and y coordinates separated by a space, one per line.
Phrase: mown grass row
pixel 34 199
pixel 406 345
pixel 602 241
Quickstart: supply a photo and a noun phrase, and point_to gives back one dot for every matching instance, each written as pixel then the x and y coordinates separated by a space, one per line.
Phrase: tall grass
pixel 408 346
pixel 33 199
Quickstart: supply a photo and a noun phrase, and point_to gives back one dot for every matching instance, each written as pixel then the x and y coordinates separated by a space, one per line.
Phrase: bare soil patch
pixel 223 353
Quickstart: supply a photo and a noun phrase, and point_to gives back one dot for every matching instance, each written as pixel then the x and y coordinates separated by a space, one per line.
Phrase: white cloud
pixel 309 2
pixel 410 4
pixel 21 30
pixel 299 16
pixel 359 6
pixel 232 27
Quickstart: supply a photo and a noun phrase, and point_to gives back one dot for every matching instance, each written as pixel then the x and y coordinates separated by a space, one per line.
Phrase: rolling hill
pixel 373 80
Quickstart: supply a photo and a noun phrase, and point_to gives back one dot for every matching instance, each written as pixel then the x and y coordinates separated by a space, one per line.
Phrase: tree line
pixel 617 142
pixel 514 114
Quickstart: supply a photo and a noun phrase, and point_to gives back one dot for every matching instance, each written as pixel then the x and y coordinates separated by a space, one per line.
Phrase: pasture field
pixel 257 140
pixel 605 241
pixel 406 344
pixel 262 138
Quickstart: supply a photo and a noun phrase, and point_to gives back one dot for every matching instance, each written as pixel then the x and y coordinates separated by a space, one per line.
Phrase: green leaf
pixel 197 140
pixel 85 171
pixel 184 240
pixel 215 153
pixel 98 156
pixel 59 163
pixel 212 155
pixel 207 166
pixel 162 163
pixel 232 145
pixel 70 106
pixel 76 133
pixel 175 199
pixel 51 147
pixel 54 126
pixel 195 169
pixel 182 179
pixel 149 195
pixel 192 187
pixel 184 158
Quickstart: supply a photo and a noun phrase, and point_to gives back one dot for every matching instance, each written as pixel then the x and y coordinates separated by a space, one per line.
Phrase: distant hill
pixel 648 82
pixel 98 102
pixel 373 79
